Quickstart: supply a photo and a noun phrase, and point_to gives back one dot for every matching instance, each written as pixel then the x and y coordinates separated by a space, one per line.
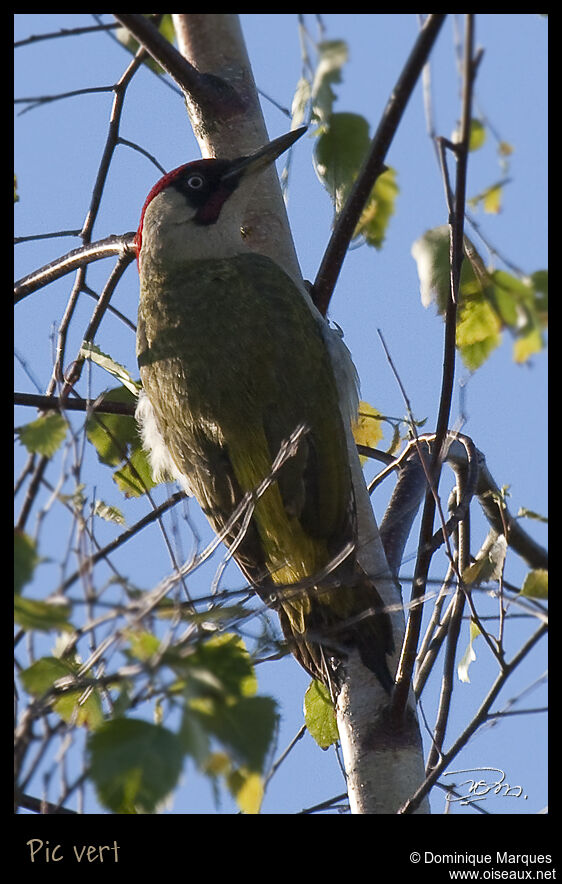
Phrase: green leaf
pixel 488 300
pixel 45 435
pixel 26 558
pixel 338 155
pixel 519 289
pixel 523 306
pixel 535 585
pixel 134 764
pixel 505 299
pixel 113 435
pixel 332 55
pixel 246 727
pixel 81 707
pixel 195 737
pixel 319 715
pixel 92 352
pixel 41 615
pixel 116 439
pixel 339 152
pixel 220 684
pixel 38 678
pixel 539 280
pixel 135 478
pixel 226 657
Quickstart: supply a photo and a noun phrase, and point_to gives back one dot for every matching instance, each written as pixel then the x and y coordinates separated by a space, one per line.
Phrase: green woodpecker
pixel 236 364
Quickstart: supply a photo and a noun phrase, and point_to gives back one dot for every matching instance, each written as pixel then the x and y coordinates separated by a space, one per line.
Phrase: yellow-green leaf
pixel 143 644
pixel 477 135
pixel 535 585
pixel 108 513
pixel 247 788
pixel 526 345
pixel 92 352
pixel 489 561
pixel 469 655
pixel 525 513
pixel 367 430
pixel 478 333
pixel 379 209
pixel 492 201
pixel 299 106
pixel 135 477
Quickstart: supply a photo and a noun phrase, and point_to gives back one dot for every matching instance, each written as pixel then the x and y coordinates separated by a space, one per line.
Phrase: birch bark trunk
pixel 384 764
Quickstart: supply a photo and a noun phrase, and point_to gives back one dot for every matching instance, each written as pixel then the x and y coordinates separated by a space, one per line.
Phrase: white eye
pixel 196 182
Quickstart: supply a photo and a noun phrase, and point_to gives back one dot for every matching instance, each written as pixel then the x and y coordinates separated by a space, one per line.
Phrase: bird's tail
pixel 322 624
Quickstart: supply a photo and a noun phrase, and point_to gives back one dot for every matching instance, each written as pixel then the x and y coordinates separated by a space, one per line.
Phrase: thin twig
pixel 65 32
pixel 477 720
pixel 453 632
pixel 409 651
pixel 37 101
pixel 38 805
pixel 73 260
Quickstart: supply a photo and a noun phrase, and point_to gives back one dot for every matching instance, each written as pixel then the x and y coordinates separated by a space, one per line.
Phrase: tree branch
pixel 212 93
pixel 122 245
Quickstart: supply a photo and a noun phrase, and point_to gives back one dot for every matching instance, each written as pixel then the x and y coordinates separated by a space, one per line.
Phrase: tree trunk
pixel 214 44
pixel 383 763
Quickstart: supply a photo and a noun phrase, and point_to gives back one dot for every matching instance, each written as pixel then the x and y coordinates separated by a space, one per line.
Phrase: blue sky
pixel 57 152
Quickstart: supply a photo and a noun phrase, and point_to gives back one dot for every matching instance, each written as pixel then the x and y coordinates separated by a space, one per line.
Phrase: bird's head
pixel 195 211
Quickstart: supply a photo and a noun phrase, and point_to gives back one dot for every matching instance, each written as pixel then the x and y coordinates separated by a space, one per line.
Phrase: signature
pixel 480 788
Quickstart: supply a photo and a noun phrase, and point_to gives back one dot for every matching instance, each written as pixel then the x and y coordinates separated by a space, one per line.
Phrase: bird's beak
pixel 263 157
